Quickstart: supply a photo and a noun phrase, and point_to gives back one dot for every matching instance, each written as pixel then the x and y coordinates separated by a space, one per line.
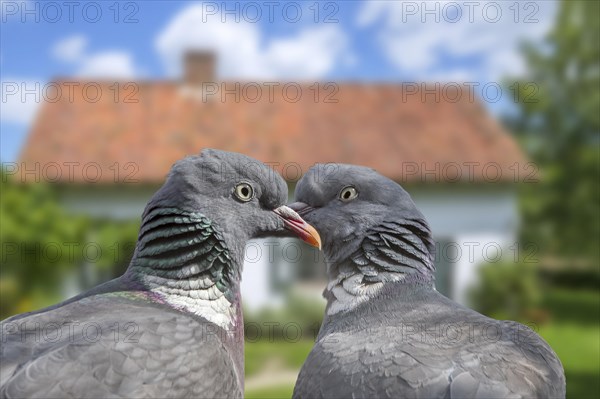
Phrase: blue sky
pixel 391 41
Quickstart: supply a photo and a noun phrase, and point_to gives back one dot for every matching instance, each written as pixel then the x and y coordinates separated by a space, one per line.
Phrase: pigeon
pixel 387 333
pixel 172 325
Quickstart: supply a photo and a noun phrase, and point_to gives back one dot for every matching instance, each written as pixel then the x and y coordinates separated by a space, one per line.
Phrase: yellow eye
pixel 244 192
pixel 348 193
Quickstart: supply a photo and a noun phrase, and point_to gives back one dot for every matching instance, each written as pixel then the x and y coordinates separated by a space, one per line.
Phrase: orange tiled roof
pixel 377 125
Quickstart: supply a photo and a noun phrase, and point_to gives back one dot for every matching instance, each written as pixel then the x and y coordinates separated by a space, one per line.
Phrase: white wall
pixel 452 212
pixel 256 280
pixel 475 227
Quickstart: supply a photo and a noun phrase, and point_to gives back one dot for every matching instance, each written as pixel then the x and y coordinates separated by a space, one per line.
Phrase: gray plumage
pixel 387 333
pixel 172 325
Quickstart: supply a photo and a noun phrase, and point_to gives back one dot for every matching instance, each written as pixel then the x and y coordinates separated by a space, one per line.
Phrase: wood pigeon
pixel 387 333
pixel 172 325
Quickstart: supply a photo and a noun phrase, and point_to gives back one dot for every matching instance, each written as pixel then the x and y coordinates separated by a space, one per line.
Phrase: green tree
pixel 33 231
pixel 559 123
pixel 43 246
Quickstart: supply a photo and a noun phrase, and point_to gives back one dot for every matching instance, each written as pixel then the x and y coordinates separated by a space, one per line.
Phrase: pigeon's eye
pixel 244 192
pixel 348 193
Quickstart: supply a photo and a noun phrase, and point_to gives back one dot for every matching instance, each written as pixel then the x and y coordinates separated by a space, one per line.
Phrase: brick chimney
pixel 199 67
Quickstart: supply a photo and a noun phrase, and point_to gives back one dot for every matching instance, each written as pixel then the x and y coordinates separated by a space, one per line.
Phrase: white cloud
pixel 20 100
pixel 109 64
pixel 70 49
pixel 310 54
pixel 241 50
pixel 442 49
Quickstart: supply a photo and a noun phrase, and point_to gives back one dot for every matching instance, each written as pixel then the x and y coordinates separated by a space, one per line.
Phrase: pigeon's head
pixel 241 196
pixel 346 202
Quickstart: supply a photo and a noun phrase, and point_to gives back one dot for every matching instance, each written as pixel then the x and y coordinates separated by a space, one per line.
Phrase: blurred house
pixel 114 149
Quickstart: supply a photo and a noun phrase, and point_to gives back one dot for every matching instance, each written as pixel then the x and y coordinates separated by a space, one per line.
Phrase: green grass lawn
pixel 574 334
pixel 277 392
pixel 578 347
pixel 291 354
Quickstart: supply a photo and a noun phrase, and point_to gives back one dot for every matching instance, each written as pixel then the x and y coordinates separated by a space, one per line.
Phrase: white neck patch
pixel 209 303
